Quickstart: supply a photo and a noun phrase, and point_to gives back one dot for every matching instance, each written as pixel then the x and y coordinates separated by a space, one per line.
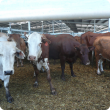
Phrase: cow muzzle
pixel 32 58
pixel 8 72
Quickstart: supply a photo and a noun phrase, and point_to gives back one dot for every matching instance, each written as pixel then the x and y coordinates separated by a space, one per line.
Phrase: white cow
pixel 8 50
pixel 39 54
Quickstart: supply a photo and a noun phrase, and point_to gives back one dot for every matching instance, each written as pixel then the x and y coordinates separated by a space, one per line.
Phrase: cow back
pixel 102 45
pixel 61 44
pixel 88 38
pixel 20 42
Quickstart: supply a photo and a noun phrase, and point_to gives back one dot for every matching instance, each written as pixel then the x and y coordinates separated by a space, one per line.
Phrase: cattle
pixel 102 51
pixel 38 46
pixel 20 44
pixel 67 49
pixel 8 51
pixel 88 38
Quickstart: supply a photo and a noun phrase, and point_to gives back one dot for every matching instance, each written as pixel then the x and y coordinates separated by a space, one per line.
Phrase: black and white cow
pixel 39 53
pixel 8 50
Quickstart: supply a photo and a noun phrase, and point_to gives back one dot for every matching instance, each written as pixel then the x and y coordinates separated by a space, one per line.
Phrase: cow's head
pixel 34 46
pixel 83 53
pixel 8 50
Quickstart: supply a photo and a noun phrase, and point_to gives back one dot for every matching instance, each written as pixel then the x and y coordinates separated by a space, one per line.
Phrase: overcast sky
pixel 6 5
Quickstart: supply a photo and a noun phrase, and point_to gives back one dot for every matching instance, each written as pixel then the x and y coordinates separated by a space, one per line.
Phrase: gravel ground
pixel 86 91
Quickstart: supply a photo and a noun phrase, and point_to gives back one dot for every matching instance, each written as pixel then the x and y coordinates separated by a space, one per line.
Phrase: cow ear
pixel 91 48
pixel 78 49
pixel 19 54
pixel 44 39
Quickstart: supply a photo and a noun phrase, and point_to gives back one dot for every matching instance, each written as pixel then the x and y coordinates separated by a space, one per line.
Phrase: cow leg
pixel 46 65
pixel 92 62
pixel 98 66
pixel 17 60
pixel 8 96
pixel 101 66
pixel 0 85
pixel 71 68
pixel 35 74
pixel 53 91
pixel 104 63
pixel 98 57
pixel 62 62
pixel 21 61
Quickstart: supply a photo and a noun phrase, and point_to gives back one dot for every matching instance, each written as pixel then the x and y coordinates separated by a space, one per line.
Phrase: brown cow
pixel 39 54
pixel 20 44
pixel 67 49
pixel 88 38
pixel 102 51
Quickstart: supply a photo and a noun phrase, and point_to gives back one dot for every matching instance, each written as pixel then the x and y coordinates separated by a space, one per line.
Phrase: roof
pixel 58 26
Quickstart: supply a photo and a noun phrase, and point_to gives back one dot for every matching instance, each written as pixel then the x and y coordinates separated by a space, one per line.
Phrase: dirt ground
pixel 87 91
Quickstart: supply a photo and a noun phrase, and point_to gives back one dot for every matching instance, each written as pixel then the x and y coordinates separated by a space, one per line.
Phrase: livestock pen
pixel 86 91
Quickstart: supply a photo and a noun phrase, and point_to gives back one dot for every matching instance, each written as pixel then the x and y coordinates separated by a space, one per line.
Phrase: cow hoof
pixel 54 91
pixel 0 85
pixel 63 78
pixel 102 71
pixel 73 75
pixel 10 99
pixel 35 84
pixel 99 74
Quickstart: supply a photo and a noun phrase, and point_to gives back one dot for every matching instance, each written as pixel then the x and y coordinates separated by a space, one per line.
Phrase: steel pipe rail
pixel 11 16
